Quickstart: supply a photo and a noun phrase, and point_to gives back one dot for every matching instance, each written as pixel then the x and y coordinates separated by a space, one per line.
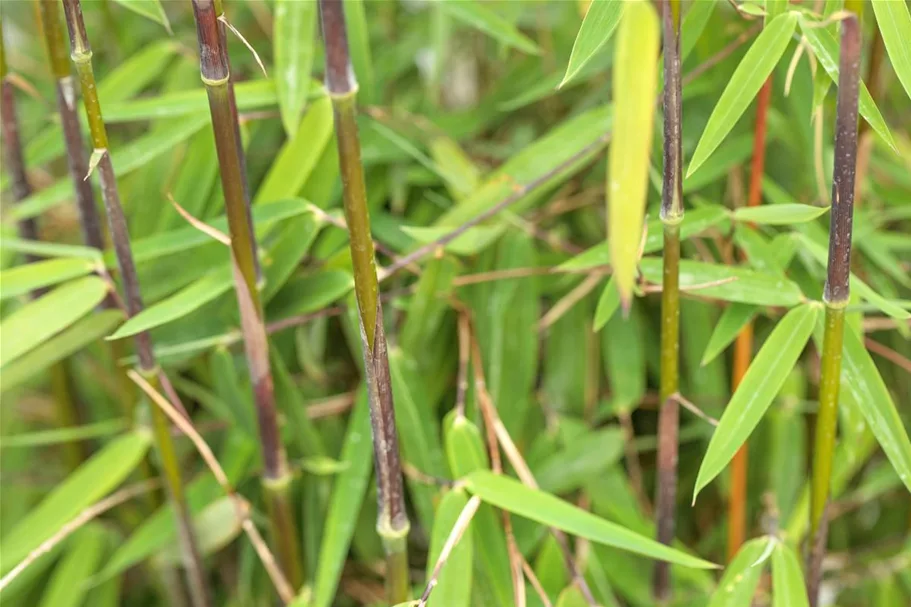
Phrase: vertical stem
pixel 392 523
pixel 836 294
pixel 28 228
pixel 81 54
pixel 671 216
pixel 277 478
pixel 49 23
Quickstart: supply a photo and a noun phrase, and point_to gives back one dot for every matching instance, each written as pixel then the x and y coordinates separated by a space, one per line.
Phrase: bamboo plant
pixel 671 217
pixel 836 294
pixel 392 524
pixel 277 476
pixel 81 53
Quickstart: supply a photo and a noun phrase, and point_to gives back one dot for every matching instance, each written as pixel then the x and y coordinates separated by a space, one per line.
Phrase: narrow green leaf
pixel 38 320
pixel 454 583
pixel 694 22
pixel 733 319
pixel 581 459
pixel 743 85
pixel 66 586
pixel 150 9
pixel 28 277
pixel 44 438
pixel 894 23
pixel 348 494
pixel 624 359
pixel 597 27
pixel 309 293
pixel 297 158
pixel 762 381
pixel 188 299
pixel 607 304
pixel 571 597
pixel 49 249
pixel 779 214
pixel 634 84
pixel 126 159
pixel 288 398
pixel 286 252
pixel 511 495
pixel 740 579
pixel 482 18
pixel 748 286
pixel 294 29
pixel 788 586
pixel 89 483
pixel 69 341
pixel 860 376
pixel 825 47
pixel 471 242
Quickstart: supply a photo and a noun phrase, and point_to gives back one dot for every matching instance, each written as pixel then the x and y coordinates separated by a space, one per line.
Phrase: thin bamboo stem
pixel 49 24
pixel 277 479
pixel 671 216
pixel 81 54
pixel 392 522
pixel 836 294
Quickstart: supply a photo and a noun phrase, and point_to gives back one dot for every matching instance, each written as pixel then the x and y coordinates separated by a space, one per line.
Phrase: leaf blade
pixel 597 27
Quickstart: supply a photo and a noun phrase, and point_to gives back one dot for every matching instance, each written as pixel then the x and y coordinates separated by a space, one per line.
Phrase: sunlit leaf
pixel 25 278
pixel 454 585
pixel 741 577
pixel 894 23
pixel 635 83
pixel 788 586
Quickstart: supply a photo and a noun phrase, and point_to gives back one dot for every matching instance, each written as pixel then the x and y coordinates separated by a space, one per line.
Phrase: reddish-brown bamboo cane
pixel 277 477
pixel 671 217
pixel 392 523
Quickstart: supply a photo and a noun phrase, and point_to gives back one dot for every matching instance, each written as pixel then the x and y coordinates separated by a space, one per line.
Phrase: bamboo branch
pixel 392 523
pixel 81 53
pixel 836 294
pixel 671 216
pixel 277 478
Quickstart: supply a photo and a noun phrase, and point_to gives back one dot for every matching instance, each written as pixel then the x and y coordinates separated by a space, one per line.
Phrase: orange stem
pixel 743 347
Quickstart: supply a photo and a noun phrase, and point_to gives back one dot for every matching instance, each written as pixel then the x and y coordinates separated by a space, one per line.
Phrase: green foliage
pixel 534 130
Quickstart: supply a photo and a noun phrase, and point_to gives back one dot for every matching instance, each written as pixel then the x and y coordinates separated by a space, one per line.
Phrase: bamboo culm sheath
pixel 671 216
pixel 392 522
pixel 81 54
pixel 216 75
pixel 836 294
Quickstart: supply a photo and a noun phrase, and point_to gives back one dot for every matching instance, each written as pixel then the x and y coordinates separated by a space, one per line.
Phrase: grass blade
pixel 788 587
pixel 780 214
pixel 294 29
pixel 597 27
pixel 894 23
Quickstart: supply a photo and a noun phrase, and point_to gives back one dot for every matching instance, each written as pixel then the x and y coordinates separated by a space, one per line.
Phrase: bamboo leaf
pixel 894 23
pixel 749 286
pixel 861 378
pixel 597 27
pixel 89 483
pixel 359 45
pixel 69 341
pixel 38 320
pixel 472 241
pixel 482 18
pixel 779 214
pixel 788 586
pixel 298 157
pixel 634 81
pixel 825 47
pixel 454 583
pixel 733 319
pixel 511 495
pixel 188 299
pixel 294 28
pixel 582 459
pixel 306 294
pixel 347 496
pixel 740 579
pixel 607 305
pixel 28 277
pixel 66 586
pixel 762 381
pixel 571 597
pixel 743 85
pixel 150 9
